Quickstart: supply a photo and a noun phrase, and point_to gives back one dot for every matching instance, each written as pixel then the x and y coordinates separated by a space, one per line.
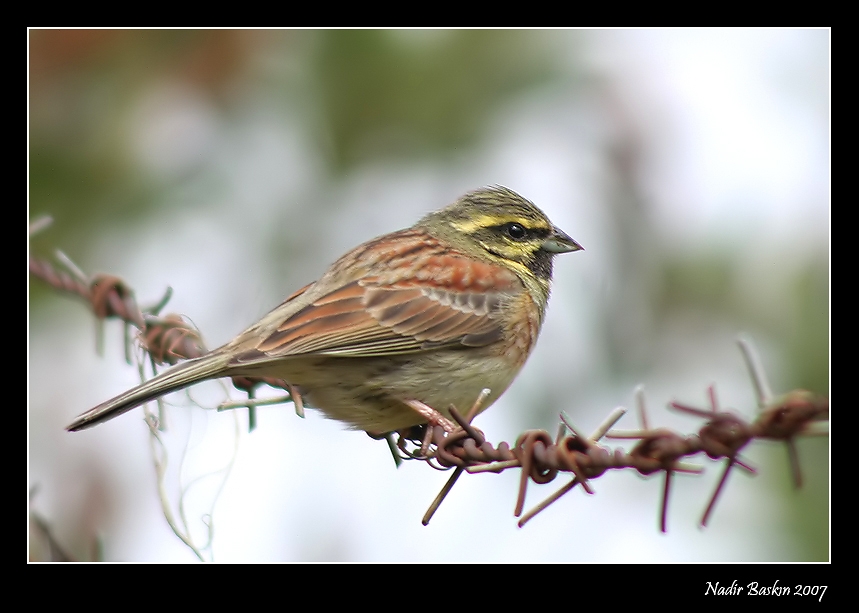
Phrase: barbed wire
pixel 166 339
pixel 540 456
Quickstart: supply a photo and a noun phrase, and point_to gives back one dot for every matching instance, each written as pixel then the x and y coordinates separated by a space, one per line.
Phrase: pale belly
pixel 369 393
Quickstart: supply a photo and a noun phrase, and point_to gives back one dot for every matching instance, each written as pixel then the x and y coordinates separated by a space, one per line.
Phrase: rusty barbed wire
pixel 464 448
pixel 542 458
pixel 167 339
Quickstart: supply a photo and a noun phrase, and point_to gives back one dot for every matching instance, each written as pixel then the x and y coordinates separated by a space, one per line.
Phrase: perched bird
pixel 401 327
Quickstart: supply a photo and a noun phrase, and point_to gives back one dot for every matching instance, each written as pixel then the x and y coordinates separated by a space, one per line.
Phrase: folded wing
pixel 423 296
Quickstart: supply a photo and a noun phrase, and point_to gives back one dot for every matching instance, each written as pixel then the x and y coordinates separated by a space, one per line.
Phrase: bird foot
pixel 297 400
pixel 433 417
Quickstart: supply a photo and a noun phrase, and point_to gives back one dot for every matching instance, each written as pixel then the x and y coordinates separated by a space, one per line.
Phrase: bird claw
pixel 297 400
pixel 433 417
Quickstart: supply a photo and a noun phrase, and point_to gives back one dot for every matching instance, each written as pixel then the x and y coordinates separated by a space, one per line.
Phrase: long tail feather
pixel 179 377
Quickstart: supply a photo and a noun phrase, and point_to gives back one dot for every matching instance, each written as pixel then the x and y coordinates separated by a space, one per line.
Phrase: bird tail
pixel 179 377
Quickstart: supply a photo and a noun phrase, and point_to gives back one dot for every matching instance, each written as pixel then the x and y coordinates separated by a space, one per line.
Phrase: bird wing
pixel 411 294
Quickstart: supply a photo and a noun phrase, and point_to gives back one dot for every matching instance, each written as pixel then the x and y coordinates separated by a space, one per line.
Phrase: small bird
pixel 402 327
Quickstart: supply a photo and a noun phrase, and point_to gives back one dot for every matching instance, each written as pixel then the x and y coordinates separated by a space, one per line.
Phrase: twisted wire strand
pixel 167 339
pixel 542 460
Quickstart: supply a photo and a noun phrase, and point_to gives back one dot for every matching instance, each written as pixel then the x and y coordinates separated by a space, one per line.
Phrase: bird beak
pixel 559 242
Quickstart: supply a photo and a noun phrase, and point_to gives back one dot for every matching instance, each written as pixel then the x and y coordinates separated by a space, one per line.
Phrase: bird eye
pixel 515 231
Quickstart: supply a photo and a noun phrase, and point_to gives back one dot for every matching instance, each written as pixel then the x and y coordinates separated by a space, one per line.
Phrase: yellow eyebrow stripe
pixel 486 221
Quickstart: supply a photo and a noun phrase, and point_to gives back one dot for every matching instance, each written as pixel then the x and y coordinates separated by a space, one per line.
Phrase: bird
pixel 400 328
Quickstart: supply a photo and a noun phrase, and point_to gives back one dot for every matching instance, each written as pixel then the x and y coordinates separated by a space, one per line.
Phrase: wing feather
pixel 420 294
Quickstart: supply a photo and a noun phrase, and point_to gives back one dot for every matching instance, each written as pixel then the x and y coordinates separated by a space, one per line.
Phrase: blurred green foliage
pixel 808 361
pixel 390 94
pixel 371 93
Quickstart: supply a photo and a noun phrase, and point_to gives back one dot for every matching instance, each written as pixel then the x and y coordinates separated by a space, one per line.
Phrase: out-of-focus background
pixel 234 166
